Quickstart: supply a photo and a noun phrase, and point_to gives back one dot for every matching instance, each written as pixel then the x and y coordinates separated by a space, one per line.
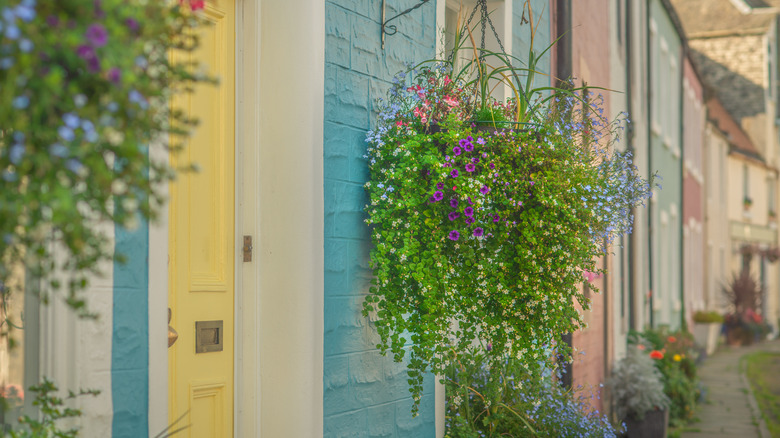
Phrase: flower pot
pixel 737 336
pixel 653 425
pixel 706 334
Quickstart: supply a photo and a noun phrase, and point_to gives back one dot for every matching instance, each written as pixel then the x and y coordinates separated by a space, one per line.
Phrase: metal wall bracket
pixel 392 29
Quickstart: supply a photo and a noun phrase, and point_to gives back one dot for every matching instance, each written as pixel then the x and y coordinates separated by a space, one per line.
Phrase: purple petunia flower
pixel 438 196
pixel 496 218
pixel 469 147
pixel 462 142
pixel 454 235
pixel 469 220
pixel 468 211
pixel 96 35
pixel 454 173
pixel 481 140
pixel 492 166
pixel 85 52
pixel 114 75
pixel 469 199
pixel 484 190
pixel 470 167
pixel 132 24
pixel 453 215
pixel 454 202
pixel 475 160
pixel 456 150
pixel 478 232
pixel 469 138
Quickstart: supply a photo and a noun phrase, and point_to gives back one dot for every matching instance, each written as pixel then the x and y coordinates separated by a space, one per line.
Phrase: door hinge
pixel 247 248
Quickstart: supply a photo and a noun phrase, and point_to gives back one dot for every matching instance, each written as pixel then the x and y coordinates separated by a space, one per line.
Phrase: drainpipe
pixel 648 63
pixel 563 72
pixel 681 139
pixel 630 146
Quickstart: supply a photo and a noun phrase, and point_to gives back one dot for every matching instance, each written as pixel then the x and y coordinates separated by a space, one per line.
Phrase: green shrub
pixel 707 317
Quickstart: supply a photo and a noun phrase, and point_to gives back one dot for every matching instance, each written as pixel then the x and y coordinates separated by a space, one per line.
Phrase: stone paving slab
pixel 730 410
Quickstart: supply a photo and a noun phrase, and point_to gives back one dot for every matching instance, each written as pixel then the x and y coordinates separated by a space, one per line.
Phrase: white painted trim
pixel 158 309
pixel 441 13
pixel 247 274
pixel 290 245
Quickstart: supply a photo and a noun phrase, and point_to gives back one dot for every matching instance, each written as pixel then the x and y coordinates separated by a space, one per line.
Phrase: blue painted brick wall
pixel 130 340
pixel 365 394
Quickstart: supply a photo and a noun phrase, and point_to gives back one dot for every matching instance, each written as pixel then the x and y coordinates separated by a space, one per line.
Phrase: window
pixel 455 15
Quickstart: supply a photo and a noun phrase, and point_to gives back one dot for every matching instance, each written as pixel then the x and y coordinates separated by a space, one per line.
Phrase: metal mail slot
pixel 208 336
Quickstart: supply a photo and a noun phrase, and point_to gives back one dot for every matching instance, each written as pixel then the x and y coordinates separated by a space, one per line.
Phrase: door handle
pixel 172 334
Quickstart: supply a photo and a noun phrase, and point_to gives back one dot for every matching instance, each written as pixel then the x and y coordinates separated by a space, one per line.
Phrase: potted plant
pixel 638 393
pixel 744 295
pixel 482 236
pixel 706 329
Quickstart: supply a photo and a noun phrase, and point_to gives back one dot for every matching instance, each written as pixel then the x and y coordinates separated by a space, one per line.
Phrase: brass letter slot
pixel 208 336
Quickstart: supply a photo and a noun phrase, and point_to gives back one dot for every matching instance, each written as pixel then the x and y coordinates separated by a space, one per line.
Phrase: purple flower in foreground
pixel 454 173
pixel 478 232
pixel 496 218
pixel 453 215
pixel 114 75
pixel 462 142
pixel 492 166
pixel 456 150
pixel 468 211
pixel 132 24
pixel 85 52
pixel 454 202
pixel 469 220
pixel 475 160
pixel 469 146
pixel 454 235
pixel 438 196
pixel 440 185
pixel 97 35
pixel 484 190
pixel 470 167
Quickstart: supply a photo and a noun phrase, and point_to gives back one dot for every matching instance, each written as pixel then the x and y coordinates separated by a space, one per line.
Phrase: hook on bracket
pixel 392 29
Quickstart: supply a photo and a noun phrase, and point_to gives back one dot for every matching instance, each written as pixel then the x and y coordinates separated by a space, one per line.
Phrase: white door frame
pixel 279 319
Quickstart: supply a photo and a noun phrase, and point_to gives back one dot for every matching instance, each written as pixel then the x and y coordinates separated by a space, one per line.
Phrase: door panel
pixel 202 216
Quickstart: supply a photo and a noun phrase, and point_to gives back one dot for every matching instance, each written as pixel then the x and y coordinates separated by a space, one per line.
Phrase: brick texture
pixel 365 394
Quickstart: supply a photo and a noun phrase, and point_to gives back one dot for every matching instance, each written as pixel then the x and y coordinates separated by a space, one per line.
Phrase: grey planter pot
pixel 653 425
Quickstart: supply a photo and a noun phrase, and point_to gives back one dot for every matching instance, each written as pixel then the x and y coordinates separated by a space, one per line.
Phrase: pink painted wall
pixel 590 64
pixel 692 143
pixel 693 192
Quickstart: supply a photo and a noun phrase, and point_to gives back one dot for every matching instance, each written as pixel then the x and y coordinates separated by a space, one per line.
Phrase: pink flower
pixel 450 101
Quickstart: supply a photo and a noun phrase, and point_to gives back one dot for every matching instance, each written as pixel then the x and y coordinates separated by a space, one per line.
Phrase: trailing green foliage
pixel 483 235
pixel 86 94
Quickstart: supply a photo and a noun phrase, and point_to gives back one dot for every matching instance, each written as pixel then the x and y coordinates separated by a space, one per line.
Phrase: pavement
pixel 730 410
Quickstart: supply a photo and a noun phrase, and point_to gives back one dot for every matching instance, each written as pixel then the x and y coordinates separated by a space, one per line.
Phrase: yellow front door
pixel 201 265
